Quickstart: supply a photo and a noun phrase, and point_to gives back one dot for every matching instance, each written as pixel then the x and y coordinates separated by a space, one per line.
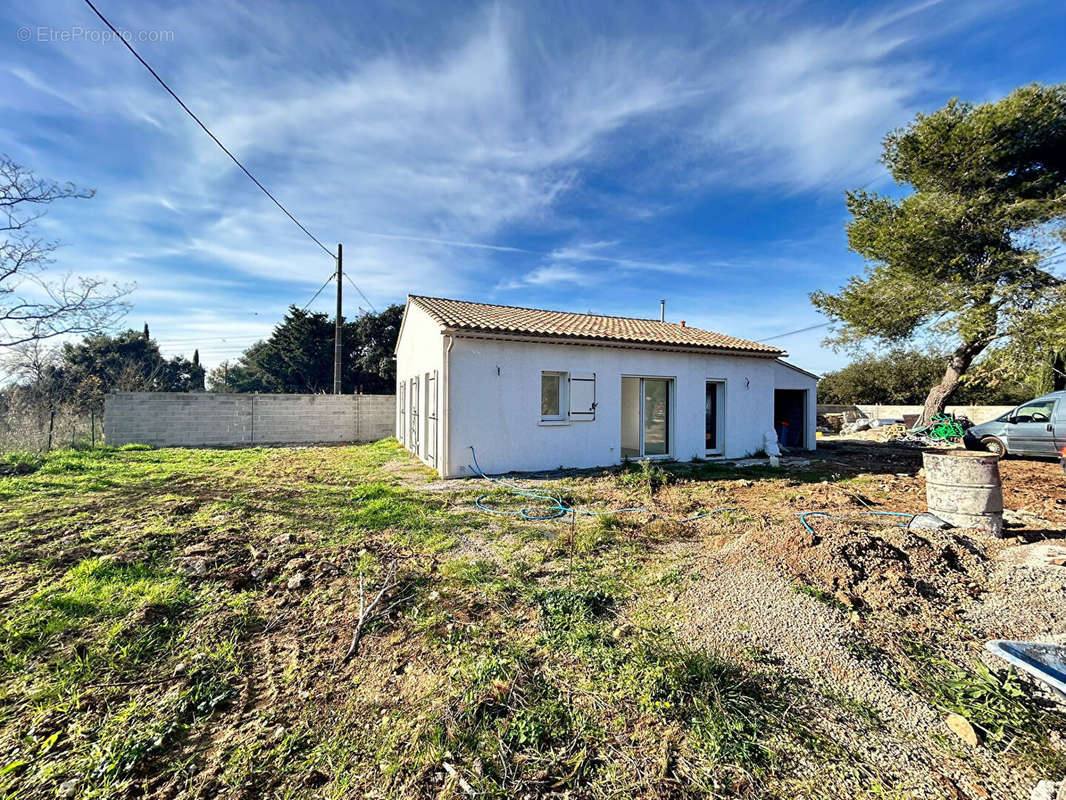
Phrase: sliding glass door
pixel 656 416
pixel 646 416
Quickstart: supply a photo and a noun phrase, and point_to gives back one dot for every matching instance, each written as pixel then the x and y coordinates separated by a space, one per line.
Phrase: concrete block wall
pixel 202 419
pixel 375 416
pixel 976 414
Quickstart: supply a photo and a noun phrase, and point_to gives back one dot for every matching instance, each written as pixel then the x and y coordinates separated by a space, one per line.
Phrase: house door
pixel 412 429
pixel 646 422
pixel 431 418
pixel 712 418
pixel 401 429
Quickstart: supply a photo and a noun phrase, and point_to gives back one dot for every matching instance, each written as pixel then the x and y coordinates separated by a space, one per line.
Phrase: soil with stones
pixel 830 608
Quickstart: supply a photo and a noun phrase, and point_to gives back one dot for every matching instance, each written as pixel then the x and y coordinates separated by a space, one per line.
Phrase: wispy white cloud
pixel 456 155
pixel 555 276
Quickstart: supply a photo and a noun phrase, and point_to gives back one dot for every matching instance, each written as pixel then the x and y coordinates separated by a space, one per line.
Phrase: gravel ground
pixel 741 605
pixel 998 614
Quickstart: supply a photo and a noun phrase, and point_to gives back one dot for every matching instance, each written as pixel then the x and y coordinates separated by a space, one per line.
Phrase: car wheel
pixel 994 446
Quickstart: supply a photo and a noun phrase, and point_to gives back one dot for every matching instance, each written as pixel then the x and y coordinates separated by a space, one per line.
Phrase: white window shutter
pixel 582 396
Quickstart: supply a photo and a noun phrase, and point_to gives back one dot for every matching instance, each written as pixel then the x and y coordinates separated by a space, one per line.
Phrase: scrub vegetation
pixel 176 624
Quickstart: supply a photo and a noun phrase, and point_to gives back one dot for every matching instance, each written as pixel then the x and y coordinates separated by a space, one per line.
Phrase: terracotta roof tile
pixel 485 318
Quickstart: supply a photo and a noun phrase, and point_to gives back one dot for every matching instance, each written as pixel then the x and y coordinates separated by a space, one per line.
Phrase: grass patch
pixel 550 711
pixel 998 703
pixel 91 592
pixel 822 596
pixel 415 520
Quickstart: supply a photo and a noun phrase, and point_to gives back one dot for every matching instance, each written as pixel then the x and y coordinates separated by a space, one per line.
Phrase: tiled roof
pixel 482 317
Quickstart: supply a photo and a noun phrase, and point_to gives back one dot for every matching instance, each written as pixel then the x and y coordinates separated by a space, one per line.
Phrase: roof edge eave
pixel 603 341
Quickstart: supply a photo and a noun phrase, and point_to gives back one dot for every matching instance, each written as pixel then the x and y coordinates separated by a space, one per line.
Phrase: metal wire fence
pixel 28 427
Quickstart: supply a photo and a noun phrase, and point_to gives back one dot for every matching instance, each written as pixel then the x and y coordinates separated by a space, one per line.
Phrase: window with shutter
pixel 553 402
pixel 583 396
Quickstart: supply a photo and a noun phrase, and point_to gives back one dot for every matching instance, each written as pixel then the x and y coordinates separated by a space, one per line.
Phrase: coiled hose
pixel 556 507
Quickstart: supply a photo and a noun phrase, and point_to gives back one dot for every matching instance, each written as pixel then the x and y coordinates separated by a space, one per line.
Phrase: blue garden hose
pixel 803 516
pixel 557 508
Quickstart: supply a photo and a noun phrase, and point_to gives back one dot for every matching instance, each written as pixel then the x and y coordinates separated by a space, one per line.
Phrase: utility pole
pixel 338 346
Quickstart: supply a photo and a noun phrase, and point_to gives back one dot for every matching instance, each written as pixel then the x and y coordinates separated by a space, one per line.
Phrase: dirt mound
pixel 883 567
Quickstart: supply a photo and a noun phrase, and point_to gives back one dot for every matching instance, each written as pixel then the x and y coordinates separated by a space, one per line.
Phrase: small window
pixel 553 396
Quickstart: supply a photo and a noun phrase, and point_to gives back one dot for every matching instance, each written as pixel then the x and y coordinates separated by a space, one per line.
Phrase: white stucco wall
pixel 495 403
pixel 787 377
pixel 419 352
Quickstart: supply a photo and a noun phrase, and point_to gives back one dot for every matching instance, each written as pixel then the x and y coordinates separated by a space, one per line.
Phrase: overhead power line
pixel 320 288
pixel 799 330
pixel 225 150
pixel 361 293
pixel 207 130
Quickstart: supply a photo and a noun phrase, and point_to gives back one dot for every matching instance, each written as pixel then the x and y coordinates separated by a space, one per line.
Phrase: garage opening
pixel 790 414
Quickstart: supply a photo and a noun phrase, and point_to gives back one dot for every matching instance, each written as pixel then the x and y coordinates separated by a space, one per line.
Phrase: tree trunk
pixel 1058 371
pixel 958 363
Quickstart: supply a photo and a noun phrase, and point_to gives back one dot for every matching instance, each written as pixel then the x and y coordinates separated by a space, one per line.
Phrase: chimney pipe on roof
pixel 662 311
pixel 682 323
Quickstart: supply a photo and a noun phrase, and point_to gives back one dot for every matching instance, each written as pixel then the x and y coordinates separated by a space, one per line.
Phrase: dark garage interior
pixel 789 416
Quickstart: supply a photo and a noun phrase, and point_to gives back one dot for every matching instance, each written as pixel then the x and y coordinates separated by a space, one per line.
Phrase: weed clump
pixel 644 474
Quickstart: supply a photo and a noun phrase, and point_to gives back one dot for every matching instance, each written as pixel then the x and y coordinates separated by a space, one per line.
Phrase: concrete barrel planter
pixel 963 487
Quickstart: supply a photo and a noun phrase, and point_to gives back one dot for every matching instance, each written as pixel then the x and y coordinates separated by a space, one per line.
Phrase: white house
pixel 534 390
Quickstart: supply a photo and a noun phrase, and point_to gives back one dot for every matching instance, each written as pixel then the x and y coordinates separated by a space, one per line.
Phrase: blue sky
pixel 584 156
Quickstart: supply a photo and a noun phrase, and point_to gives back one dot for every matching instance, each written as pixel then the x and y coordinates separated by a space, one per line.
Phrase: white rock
pixel 927 521
pixel 193 567
pixel 297 581
pixel 1046 790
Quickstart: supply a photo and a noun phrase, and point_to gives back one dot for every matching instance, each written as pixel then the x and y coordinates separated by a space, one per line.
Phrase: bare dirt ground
pixel 884 613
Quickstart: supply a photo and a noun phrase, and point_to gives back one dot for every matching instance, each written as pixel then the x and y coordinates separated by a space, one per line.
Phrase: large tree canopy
pixel 904 377
pixel 971 254
pixel 128 362
pixel 298 356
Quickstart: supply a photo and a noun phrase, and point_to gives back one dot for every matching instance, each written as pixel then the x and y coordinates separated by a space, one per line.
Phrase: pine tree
pixel 147 336
pixel 968 255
